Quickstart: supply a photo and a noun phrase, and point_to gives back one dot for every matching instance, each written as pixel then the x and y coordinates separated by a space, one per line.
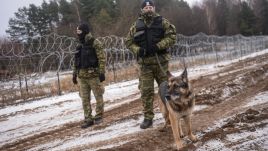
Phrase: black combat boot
pixel 98 120
pixel 146 124
pixel 87 124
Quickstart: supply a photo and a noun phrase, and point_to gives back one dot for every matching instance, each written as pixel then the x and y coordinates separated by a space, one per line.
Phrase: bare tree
pixel 211 9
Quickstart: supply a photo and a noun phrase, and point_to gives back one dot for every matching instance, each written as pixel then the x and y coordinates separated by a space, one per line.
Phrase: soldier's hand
pixel 142 52
pixel 102 77
pixel 155 49
pixel 75 79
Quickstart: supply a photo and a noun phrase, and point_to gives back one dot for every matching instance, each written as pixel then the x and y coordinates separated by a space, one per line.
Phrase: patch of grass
pixel 66 85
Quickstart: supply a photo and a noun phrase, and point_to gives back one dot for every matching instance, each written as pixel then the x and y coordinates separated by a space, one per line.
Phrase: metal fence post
pixel 59 89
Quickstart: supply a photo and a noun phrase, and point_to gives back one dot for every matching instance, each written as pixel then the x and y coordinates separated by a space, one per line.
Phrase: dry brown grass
pixel 13 96
pixel 128 73
pixel 66 85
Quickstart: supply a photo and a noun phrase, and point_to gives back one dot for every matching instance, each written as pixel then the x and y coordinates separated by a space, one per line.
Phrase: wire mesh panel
pixel 27 66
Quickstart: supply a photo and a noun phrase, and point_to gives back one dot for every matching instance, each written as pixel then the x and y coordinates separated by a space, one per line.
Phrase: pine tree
pixel 261 11
pixel 38 20
pixel 265 17
pixel 33 21
pixel 50 13
pixel 67 13
pixel 199 20
pixel 247 20
pixel 91 8
pixel 20 28
pixel 233 19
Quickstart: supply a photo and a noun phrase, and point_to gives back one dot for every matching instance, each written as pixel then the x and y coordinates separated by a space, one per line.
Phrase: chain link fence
pixel 26 68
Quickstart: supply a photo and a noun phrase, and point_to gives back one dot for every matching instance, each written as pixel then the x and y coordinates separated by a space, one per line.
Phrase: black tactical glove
pixel 155 49
pixel 142 52
pixel 75 79
pixel 102 77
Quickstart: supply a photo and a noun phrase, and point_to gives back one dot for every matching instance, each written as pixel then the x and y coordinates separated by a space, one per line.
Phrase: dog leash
pixel 184 65
pixel 161 68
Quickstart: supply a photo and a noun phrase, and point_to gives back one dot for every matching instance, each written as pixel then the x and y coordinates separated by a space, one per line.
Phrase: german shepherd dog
pixel 177 101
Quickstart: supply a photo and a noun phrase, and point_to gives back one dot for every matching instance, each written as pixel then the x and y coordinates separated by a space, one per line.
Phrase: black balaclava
pixel 85 30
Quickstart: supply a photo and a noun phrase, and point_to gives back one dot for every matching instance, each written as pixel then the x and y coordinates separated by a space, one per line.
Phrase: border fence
pixel 27 67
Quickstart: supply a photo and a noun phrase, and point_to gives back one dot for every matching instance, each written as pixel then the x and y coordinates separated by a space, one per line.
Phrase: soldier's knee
pixel 99 90
pixel 147 90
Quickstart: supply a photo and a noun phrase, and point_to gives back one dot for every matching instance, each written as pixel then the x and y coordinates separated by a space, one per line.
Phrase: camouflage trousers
pixel 86 85
pixel 146 85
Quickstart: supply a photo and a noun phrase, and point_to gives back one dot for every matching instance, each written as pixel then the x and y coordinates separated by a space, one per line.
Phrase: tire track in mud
pixel 73 129
pixel 155 140
pixel 152 139
pixel 204 118
pixel 34 110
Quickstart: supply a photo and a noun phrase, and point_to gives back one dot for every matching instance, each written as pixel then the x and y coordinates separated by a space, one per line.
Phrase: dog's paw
pixel 179 145
pixel 193 138
pixel 181 134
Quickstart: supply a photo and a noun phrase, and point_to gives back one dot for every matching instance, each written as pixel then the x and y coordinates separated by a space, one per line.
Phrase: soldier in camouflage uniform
pixel 149 38
pixel 89 67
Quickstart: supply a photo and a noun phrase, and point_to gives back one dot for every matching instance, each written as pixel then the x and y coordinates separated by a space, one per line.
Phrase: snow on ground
pixel 245 139
pixel 34 79
pixel 249 139
pixel 38 116
pixel 38 120
pixel 261 98
pixel 212 145
pixel 86 138
pixel 111 146
pixel 198 71
pixel 37 104
pixel 26 119
pixel 119 129
pixel 239 136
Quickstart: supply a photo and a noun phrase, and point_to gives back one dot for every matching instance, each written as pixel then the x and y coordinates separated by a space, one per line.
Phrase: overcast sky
pixel 9 7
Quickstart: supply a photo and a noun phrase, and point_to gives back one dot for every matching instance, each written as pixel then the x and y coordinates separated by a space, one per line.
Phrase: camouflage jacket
pixel 101 59
pixel 168 40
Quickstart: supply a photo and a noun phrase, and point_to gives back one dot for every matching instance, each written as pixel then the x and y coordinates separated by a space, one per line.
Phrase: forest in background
pixel 114 17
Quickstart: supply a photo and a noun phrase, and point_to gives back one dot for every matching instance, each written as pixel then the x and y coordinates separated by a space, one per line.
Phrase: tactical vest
pixel 146 37
pixel 88 57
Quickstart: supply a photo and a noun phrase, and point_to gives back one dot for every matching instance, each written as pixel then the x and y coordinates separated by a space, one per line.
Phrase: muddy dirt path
pixel 241 83
pixel 224 92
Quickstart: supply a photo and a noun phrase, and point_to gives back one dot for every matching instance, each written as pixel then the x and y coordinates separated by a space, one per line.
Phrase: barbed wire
pixel 55 53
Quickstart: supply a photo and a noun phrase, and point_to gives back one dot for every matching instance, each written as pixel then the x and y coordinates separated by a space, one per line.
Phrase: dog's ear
pixel 184 75
pixel 169 75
